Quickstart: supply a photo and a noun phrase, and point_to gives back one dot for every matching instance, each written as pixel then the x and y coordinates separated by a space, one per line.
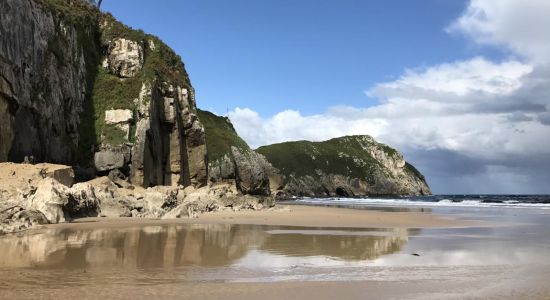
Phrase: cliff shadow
pixel 89 137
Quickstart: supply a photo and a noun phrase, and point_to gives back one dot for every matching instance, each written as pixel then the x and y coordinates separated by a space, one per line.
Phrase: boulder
pixel 50 198
pixel 63 174
pixel 83 201
pixel 250 174
pixel 107 160
pixel 17 219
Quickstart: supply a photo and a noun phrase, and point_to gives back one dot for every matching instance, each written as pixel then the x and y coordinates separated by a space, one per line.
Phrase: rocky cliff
pixel 347 166
pixel 232 160
pixel 79 88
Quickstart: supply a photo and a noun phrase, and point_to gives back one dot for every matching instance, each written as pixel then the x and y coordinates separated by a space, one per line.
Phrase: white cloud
pixel 521 25
pixel 468 117
pixel 461 78
pixel 291 125
pixel 475 125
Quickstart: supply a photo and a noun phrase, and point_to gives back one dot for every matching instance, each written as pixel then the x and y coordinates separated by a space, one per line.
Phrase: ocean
pixel 496 201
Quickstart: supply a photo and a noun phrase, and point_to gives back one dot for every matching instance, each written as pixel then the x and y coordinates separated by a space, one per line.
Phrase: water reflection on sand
pixel 205 245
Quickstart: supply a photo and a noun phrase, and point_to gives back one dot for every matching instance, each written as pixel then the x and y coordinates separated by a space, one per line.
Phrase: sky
pixel 462 88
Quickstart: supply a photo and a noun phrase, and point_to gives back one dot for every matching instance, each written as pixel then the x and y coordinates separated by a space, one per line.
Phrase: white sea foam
pixel 396 202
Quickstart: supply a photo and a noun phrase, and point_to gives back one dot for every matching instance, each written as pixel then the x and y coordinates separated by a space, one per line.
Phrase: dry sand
pixel 294 215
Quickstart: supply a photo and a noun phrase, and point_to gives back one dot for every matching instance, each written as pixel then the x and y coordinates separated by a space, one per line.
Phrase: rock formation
pixel 345 167
pixel 79 88
pixel 45 61
pixel 34 194
pixel 232 160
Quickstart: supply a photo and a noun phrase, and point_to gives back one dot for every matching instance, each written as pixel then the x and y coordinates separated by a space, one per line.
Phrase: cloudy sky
pixel 462 88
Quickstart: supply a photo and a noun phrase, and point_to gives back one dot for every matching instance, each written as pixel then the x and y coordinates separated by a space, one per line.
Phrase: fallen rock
pixel 50 198
pixel 250 173
pixel 82 202
pixel 17 219
pixel 108 160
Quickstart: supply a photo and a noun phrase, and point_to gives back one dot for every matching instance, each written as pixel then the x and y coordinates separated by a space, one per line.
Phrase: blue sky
pixel 308 55
pixel 459 86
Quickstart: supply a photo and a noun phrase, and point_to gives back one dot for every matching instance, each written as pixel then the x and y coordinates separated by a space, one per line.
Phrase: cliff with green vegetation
pixel 231 159
pixel 78 87
pixel 346 166
pixel 220 135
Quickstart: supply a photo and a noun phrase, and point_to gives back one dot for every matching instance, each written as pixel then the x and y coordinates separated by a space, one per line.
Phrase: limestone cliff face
pixel 347 166
pixel 231 159
pixel 79 88
pixel 43 81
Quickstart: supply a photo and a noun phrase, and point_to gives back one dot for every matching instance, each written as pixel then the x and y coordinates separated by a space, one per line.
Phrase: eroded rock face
pixel 250 173
pixel 231 160
pixel 42 82
pixel 170 144
pixel 125 57
pixel 246 168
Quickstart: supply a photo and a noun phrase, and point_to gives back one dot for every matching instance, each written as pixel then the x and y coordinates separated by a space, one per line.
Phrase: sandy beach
pixel 292 215
pixel 288 252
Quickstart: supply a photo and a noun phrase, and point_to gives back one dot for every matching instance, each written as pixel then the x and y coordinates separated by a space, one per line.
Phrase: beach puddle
pixel 199 245
pixel 190 253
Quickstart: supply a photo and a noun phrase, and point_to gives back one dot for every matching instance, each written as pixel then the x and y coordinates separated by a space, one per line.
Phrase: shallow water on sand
pixel 55 258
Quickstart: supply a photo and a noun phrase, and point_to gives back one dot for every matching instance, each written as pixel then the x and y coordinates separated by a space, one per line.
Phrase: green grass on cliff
pixel 104 91
pixel 345 156
pixel 161 64
pixel 113 135
pixel 220 135
pixel 72 11
pixel 111 92
pixel 414 171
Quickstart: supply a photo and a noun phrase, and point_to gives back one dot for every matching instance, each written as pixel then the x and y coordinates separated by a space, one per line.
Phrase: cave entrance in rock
pixel 341 192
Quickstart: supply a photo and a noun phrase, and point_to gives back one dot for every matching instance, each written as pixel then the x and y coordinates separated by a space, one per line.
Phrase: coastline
pixel 290 215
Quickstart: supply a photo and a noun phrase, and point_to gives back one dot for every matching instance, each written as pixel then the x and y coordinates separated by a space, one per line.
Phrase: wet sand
pixel 297 252
pixel 435 289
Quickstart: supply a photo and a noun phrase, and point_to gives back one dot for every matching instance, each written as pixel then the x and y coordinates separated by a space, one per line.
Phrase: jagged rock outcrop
pixel 124 57
pixel 31 195
pixel 232 160
pixel 41 194
pixel 346 167
pixel 79 88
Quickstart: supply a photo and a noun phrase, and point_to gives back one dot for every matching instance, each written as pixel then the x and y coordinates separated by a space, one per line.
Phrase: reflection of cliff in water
pixel 184 245
pixel 347 245
pixel 147 247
